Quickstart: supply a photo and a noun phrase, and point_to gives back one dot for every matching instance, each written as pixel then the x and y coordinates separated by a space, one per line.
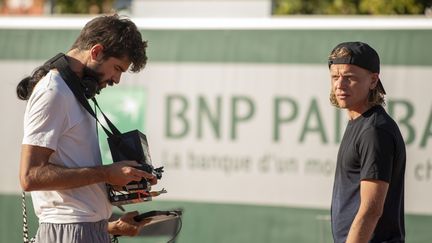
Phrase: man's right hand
pixel 122 172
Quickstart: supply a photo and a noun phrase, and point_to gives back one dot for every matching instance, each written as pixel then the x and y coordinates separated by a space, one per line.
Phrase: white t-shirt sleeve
pixel 45 118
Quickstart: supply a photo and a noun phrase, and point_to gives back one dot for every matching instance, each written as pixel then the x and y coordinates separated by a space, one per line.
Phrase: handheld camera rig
pixel 133 145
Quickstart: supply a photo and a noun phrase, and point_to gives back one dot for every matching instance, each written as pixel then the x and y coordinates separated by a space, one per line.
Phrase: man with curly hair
pixel 60 156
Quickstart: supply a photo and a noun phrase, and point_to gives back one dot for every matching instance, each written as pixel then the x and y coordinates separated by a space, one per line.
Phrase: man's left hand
pixel 126 225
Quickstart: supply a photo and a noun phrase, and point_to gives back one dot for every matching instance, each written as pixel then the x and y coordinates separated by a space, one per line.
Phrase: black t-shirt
pixel 372 148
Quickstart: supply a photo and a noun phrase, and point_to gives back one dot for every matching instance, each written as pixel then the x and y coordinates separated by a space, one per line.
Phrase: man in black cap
pixel 368 192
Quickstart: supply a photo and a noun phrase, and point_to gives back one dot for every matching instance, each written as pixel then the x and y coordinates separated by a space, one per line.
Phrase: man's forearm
pixel 362 228
pixel 372 198
pixel 55 177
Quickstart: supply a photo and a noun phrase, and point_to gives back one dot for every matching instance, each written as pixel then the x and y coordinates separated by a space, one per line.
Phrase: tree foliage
pixel 346 7
pixel 82 6
pixel 280 7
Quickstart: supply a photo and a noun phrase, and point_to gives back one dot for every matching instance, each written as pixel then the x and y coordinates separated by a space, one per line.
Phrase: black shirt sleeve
pixel 376 150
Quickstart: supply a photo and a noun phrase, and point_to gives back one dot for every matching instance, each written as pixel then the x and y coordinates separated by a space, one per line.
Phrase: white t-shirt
pixel 55 119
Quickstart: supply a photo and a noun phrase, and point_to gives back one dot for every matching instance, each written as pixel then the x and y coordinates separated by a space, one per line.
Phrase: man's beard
pixel 91 81
pixel 92 73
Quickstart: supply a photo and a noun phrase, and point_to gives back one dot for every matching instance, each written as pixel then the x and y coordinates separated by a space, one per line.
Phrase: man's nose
pixel 116 78
pixel 340 82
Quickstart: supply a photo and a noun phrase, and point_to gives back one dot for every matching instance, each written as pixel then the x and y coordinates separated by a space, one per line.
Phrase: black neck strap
pixel 73 82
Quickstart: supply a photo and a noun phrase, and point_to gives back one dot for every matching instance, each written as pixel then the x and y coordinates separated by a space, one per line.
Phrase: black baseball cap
pixel 362 55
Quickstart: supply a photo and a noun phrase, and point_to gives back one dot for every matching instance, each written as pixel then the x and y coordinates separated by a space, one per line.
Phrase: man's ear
pixel 96 52
pixel 375 78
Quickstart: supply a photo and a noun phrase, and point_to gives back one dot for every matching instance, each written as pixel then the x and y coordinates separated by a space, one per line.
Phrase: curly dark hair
pixel 119 36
